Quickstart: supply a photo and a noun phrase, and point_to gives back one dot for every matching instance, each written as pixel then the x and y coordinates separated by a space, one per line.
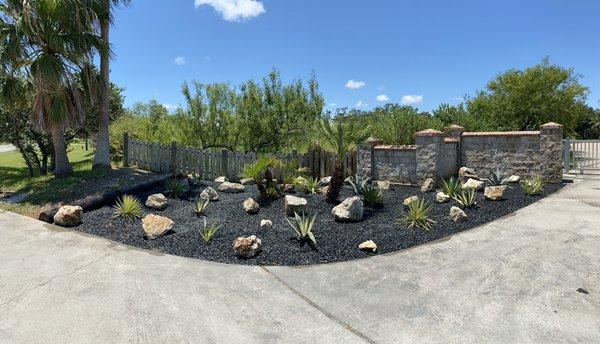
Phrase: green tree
pixel 397 124
pixel 525 99
pixel 449 114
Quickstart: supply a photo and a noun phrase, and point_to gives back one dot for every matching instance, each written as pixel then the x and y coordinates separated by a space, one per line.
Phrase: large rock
pixel 494 193
pixel 156 226
pixel 368 245
pixel 473 184
pixel 251 206
pixel 325 181
pixel 209 194
pixel 232 187
pixel 407 201
pixel 428 185
pixel 68 216
pixel 441 197
pixel 221 179
pixel 350 210
pixel 247 181
pixel 465 173
pixel 266 223
pixel 513 179
pixel 457 214
pixel 293 204
pixel 156 201
pixel 247 247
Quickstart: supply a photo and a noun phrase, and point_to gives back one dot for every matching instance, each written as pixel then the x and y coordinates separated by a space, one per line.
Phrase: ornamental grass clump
pixel 417 215
pixel 175 188
pixel 303 227
pixel 466 198
pixel 372 195
pixel 311 186
pixel 209 231
pixel 533 187
pixel 451 187
pixel 128 207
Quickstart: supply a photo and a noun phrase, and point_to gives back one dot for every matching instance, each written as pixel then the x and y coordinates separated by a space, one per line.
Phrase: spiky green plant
pixel 451 187
pixel 303 226
pixel 417 215
pixel 128 207
pixel 261 172
pixel 175 188
pixel 311 186
pixel 496 178
pixel 466 198
pixel 209 230
pixel 200 206
pixel 372 195
pixel 533 186
pixel 358 184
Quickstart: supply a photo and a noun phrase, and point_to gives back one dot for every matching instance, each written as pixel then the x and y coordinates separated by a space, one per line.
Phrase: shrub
pixel 128 207
pixel 209 231
pixel 372 195
pixel 175 189
pixel 200 206
pixel 311 186
pixel 466 198
pixel 261 172
pixel 532 187
pixel 451 187
pixel 303 226
pixel 496 178
pixel 417 215
pixel 291 172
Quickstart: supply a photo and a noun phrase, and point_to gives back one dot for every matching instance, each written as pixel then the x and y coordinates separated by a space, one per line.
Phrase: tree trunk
pixel 62 166
pixel 336 184
pixel 102 156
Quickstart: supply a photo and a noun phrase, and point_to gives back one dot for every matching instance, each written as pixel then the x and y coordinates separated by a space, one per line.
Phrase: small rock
pixel 457 214
pixel 247 247
pixel 221 179
pixel 251 206
pixel 325 181
pixel 383 184
pixel 266 223
pixel 368 245
pixel 473 184
pixel 289 188
pixel 494 193
pixel 324 190
pixel 156 226
pixel 247 181
pixel 513 179
pixel 409 200
pixel 441 197
pixel 209 194
pixel 293 204
pixel 231 187
pixel 156 201
pixel 428 185
pixel 465 173
pixel 350 210
pixel 68 216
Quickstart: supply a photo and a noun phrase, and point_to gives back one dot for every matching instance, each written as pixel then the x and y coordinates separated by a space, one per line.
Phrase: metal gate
pixel 581 156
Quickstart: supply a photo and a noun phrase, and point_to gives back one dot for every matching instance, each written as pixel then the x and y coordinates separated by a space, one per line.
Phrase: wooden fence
pixel 209 164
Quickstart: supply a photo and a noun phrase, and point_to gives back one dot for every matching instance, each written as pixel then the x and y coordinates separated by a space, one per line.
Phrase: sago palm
pixel 342 137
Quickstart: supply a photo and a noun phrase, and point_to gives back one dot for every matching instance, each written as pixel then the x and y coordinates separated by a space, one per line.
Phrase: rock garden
pixel 263 221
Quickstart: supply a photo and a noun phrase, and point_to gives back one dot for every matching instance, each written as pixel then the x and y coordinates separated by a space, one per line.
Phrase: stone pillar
pixel 454 131
pixel 551 152
pixel 364 158
pixel 429 154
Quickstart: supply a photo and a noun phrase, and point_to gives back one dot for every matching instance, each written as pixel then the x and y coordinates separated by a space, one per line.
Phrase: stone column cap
pixel 373 141
pixel 455 127
pixel 429 132
pixel 551 125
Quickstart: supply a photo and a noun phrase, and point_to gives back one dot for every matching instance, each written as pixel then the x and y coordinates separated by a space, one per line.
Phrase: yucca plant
pixel 311 186
pixel 209 231
pixel 372 195
pixel 175 188
pixel 358 184
pixel 417 215
pixel 128 207
pixel 496 178
pixel 451 187
pixel 466 198
pixel 200 206
pixel 303 226
pixel 532 187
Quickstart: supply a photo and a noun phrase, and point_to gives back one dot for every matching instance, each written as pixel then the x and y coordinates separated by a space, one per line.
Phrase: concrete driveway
pixel 532 277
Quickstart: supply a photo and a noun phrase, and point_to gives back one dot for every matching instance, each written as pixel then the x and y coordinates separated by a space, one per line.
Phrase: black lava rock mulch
pixel 336 241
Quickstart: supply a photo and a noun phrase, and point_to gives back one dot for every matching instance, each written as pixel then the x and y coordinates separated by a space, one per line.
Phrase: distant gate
pixel 581 156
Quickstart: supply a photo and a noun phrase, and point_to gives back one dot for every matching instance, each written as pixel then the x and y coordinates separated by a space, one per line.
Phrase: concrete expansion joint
pixel 319 309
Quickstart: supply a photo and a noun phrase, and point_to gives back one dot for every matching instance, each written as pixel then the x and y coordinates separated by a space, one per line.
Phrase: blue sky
pixel 364 53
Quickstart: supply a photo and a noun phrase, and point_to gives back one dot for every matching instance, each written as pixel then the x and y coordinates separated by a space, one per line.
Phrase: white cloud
pixel 180 60
pixel 361 104
pixel 381 88
pixel 170 107
pixel 332 105
pixel 382 98
pixel 234 10
pixel 411 99
pixel 355 85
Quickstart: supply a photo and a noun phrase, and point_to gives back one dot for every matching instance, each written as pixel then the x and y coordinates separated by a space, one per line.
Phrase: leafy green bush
pixel 466 198
pixel 209 231
pixel 175 188
pixel 417 215
pixel 200 206
pixel 496 178
pixel 128 207
pixel 310 186
pixel 532 187
pixel 451 187
pixel 303 226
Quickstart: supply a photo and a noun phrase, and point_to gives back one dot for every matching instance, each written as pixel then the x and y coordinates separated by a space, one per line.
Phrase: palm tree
pixel 102 155
pixel 51 43
pixel 342 137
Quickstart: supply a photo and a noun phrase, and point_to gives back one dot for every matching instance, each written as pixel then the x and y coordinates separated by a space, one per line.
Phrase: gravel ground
pixel 336 241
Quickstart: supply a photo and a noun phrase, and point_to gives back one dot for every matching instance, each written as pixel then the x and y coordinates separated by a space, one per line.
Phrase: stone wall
pixel 439 155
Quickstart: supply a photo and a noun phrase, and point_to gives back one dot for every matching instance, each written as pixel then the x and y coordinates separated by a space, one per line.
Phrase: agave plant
pixel 417 215
pixel 466 198
pixel 358 184
pixel 451 187
pixel 128 207
pixel 209 231
pixel 303 226
pixel 496 178
pixel 200 206
pixel 372 195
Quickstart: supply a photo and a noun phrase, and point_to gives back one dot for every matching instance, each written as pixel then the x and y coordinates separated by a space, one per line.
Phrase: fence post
pixel 428 154
pixel 224 164
pixel 551 140
pixel 125 149
pixel 173 161
pixel 566 155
